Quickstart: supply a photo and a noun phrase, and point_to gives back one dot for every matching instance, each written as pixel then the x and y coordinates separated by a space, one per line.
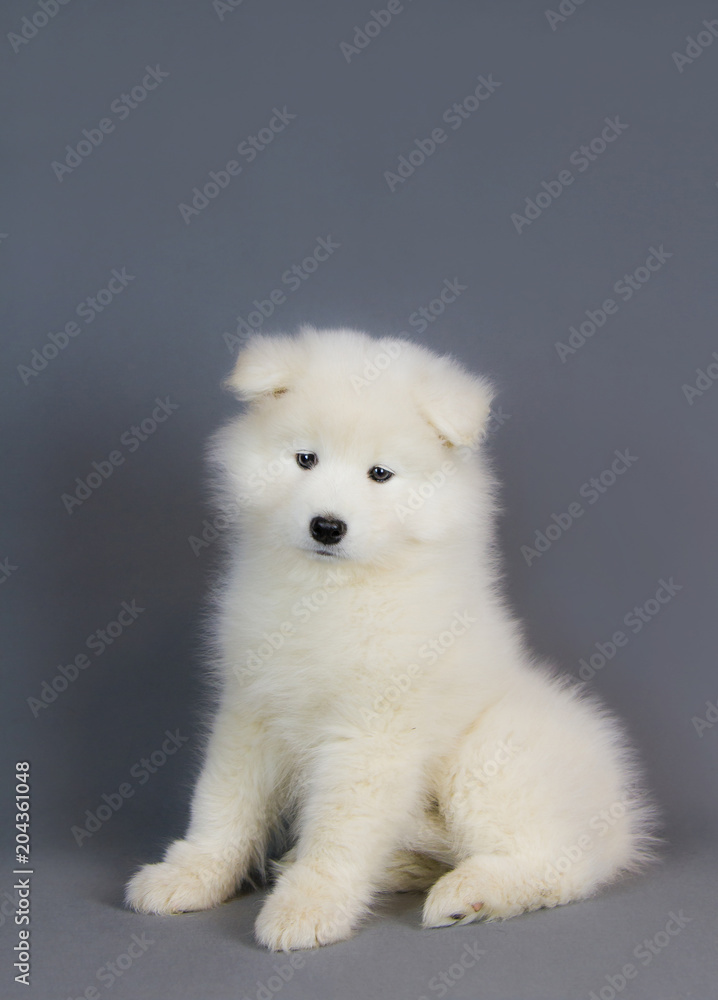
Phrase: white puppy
pixel 374 687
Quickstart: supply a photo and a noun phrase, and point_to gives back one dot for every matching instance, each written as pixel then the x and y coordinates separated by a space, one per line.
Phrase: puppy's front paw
pixel 305 910
pixel 188 879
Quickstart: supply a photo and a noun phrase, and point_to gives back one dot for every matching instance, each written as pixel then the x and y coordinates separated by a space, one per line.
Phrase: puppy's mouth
pixel 324 552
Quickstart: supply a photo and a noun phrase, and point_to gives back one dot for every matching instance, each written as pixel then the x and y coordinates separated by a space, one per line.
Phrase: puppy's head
pixel 353 448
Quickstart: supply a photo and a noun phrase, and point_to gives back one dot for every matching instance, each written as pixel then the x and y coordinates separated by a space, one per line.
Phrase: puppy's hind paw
pixel 486 887
pixel 454 899
pixel 437 905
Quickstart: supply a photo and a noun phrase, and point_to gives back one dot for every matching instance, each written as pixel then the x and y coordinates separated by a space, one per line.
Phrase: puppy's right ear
pixel 265 367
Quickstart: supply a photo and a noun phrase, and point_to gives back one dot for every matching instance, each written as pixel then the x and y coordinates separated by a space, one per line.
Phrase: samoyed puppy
pixel 375 694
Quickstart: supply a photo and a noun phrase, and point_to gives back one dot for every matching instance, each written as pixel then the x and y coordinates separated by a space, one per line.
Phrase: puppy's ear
pixel 265 367
pixel 455 403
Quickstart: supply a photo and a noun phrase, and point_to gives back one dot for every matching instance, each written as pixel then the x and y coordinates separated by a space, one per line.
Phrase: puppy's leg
pixel 411 868
pixel 409 871
pixel 489 887
pixel 427 855
pixel 539 800
pixel 230 817
pixel 362 793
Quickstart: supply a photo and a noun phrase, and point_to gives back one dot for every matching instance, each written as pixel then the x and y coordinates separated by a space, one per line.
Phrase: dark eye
pixel 379 474
pixel 306 459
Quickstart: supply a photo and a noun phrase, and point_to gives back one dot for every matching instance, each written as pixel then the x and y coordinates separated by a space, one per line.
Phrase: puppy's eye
pixel 379 474
pixel 306 459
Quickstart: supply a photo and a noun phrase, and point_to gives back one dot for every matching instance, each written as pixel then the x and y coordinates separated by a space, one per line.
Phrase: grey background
pixel 163 336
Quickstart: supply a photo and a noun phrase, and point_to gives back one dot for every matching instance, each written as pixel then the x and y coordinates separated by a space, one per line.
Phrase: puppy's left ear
pixel 265 367
pixel 455 403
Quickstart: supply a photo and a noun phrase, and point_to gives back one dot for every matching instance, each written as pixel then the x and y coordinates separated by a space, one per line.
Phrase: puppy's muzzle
pixel 327 530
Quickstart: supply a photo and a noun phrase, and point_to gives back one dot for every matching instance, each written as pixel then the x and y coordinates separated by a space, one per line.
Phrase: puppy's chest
pixel 324 652
pixel 325 629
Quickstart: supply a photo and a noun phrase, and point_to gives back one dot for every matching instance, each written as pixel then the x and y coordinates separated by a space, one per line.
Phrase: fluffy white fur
pixel 378 692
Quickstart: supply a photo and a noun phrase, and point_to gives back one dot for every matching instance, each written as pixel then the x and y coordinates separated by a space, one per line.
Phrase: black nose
pixel 327 530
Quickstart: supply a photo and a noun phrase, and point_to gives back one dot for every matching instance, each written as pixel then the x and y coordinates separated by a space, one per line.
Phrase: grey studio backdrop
pixel 531 190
